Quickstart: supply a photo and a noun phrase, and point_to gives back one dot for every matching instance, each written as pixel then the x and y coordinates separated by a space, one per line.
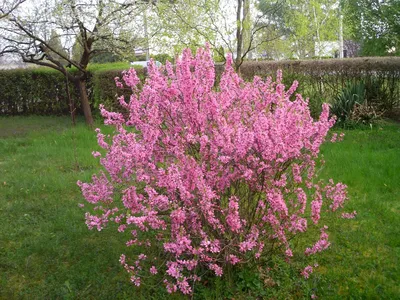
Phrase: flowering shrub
pixel 212 176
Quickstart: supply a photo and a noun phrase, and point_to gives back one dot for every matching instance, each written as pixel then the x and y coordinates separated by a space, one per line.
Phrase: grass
pixel 94 67
pixel 47 252
pixel 45 249
pixel 117 66
pixel 364 260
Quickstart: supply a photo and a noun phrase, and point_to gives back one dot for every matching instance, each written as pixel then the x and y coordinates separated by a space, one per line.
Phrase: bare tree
pixel 99 26
pixel 8 6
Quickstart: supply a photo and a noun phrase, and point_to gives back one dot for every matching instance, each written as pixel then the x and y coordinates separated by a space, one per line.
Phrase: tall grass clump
pixel 344 103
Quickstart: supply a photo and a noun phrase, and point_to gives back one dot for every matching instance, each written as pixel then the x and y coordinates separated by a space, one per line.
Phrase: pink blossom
pixel 233 219
pixel 96 153
pixel 233 259
pixel 122 228
pixel 100 190
pixel 289 252
pixel 302 199
pixel 316 205
pixel 217 269
pixel 209 176
pixel 349 215
pixel 307 271
pixel 321 244
pixel 296 173
pixel 276 201
pixel 337 193
pixel 96 221
pixel 153 270
pixel 130 78
pixel 171 288
pixel 135 280
pixel 118 83
pixel 142 256
pixel 297 224
pixel 189 264
pixel 174 270
pixel 122 259
pixel 184 286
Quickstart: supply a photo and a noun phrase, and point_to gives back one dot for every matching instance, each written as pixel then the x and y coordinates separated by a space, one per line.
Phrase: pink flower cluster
pixel 307 271
pixel 335 137
pixel 321 244
pixel 349 215
pixel 218 176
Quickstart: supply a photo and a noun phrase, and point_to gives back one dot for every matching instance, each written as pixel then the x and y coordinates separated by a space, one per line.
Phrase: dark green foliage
pixel 43 91
pixel 34 92
pixel 381 94
pixel 375 24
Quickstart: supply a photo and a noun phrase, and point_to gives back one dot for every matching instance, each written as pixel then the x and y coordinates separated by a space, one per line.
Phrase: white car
pixel 145 63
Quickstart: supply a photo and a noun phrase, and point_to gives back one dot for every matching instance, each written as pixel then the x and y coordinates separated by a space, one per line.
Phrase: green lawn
pixel 46 251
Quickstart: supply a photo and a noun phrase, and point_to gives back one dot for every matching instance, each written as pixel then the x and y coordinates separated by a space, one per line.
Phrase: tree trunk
pixel 239 36
pixel 85 102
pixel 246 30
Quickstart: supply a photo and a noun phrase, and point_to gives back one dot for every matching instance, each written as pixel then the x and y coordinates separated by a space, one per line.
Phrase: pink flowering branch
pixel 217 176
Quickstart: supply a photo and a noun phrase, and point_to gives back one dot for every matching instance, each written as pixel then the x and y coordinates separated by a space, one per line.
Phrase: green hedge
pixel 33 92
pixel 42 91
pixel 323 80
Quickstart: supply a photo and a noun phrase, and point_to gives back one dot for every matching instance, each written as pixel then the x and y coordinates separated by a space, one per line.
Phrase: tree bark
pixel 239 36
pixel 85 101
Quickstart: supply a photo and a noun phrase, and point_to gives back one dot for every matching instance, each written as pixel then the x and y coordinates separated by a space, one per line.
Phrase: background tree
pixel 277 48
pixel 226 27
pixel 304 25
pixel 77 49
pixel 94 26
pixel 55 43
pixel 375 24
pixel 183 24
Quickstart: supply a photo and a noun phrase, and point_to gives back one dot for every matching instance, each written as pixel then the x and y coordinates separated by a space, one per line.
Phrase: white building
pixel 326 48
